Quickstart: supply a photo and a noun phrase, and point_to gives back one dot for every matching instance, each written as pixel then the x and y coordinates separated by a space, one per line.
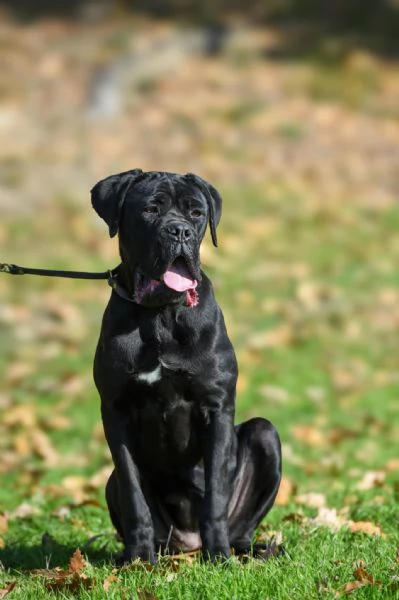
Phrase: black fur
pixel 185 476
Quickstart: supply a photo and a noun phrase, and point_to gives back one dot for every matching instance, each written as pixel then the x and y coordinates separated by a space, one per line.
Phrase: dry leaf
pixel 327 517
pixel 285 492
pixel 360 574
pixel 392 465
pixel 70 584
pixel 56 573
pixel 23 415
pixel 70 580
pixel 275 394
pixel 99 479
pixel 138 565
pixel 22 444
pixel 43 447
pixel 77 562
pixel 24 511
pixel 350 587
pixel 362 578
pixel 312 499
pixel 18 371
pixel 271 338
pixel 56 422
pixel 295 517
pixel 5 591
pixel 108 581
pixel 371 479
pixel 366 527
pixel 308 435
pixel 3 523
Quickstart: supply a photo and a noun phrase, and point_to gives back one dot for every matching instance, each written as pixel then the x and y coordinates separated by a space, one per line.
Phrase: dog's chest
pixel 166 424
pixel 165 416
pixel 150 376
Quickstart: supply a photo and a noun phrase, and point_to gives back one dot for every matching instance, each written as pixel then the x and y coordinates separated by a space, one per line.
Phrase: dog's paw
pixel 132 554
pixel 216 554
pixel 260 551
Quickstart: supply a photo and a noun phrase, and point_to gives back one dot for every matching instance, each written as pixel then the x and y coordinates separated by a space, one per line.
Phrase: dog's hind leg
pixel 112 498
pixel 256 483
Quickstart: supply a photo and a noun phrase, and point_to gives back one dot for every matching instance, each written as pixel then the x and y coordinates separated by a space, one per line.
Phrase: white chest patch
pixel 151 376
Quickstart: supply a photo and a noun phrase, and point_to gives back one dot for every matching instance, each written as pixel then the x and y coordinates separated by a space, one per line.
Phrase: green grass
pixel 310 294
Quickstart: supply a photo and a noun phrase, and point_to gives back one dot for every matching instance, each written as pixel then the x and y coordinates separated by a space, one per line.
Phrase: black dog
pixel 185 477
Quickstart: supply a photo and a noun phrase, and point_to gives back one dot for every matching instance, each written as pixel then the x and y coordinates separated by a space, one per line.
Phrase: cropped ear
pixel 214 202
pixel 108 196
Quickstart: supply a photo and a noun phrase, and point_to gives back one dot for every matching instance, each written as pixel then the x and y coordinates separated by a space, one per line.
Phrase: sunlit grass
pixel 309 296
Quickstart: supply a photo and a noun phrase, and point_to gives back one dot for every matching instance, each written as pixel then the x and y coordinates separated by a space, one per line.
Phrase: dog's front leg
pixel 219 463
pixel 133 512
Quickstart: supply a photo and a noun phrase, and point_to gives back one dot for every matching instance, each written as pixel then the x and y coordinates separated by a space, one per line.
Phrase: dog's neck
pixel 125 279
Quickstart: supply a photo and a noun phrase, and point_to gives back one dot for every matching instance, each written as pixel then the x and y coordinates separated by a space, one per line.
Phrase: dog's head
pixel 161 219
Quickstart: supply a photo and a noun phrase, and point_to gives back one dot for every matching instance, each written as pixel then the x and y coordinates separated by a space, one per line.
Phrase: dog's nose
pixel 179 231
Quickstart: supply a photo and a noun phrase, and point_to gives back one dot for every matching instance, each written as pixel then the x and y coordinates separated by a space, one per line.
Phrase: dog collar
pixel 190 301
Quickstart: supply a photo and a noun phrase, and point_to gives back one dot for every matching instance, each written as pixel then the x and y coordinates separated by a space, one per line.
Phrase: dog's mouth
pixel 179 278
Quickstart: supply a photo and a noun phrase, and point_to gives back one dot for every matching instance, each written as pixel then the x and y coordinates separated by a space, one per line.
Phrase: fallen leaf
pixel 5 591
pixel 57 422
pixel 327 517
pixel 295 517
pixel 366 527
pixel 309 435
pixel 271 338
pixel 69 580
pixel 70 584
pixel 274 393
pixel 362 578
pixel 340 434
pixel 108 581
pixel 99 479
pixel 360 574
pixel 371 479
pixel 138 565
pixel 3 523
pixel 351 586
pixel 76 562
pixel 392 465
pixel 285 492
pixel 43 447
pixel 24 511
pixel 18 371
pixel 20 415
pixel 56 573
pixel 312 499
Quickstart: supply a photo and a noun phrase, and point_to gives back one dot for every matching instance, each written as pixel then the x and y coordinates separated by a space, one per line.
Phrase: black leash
pixel 16 270
pixel 111 276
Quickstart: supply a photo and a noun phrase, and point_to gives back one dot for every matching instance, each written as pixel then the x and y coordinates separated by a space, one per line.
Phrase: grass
pixel 310 294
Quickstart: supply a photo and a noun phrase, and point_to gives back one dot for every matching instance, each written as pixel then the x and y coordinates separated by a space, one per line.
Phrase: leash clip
pixel 112 279
pixel 11 269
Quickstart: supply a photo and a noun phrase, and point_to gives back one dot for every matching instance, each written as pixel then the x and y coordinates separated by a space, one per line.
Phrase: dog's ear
pixel 214 202
pixel 108 196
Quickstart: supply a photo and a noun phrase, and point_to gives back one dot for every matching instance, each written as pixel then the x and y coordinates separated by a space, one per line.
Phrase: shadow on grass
pixel 48 555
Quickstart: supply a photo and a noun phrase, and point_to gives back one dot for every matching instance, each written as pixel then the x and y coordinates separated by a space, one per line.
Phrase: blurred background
pixel 291 109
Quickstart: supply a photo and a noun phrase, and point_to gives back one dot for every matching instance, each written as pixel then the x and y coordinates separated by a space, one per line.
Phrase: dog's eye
pixel 196 212
pixel 152 209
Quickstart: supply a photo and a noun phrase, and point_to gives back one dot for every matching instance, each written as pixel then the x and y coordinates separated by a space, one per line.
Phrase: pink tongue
pixel 178 278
